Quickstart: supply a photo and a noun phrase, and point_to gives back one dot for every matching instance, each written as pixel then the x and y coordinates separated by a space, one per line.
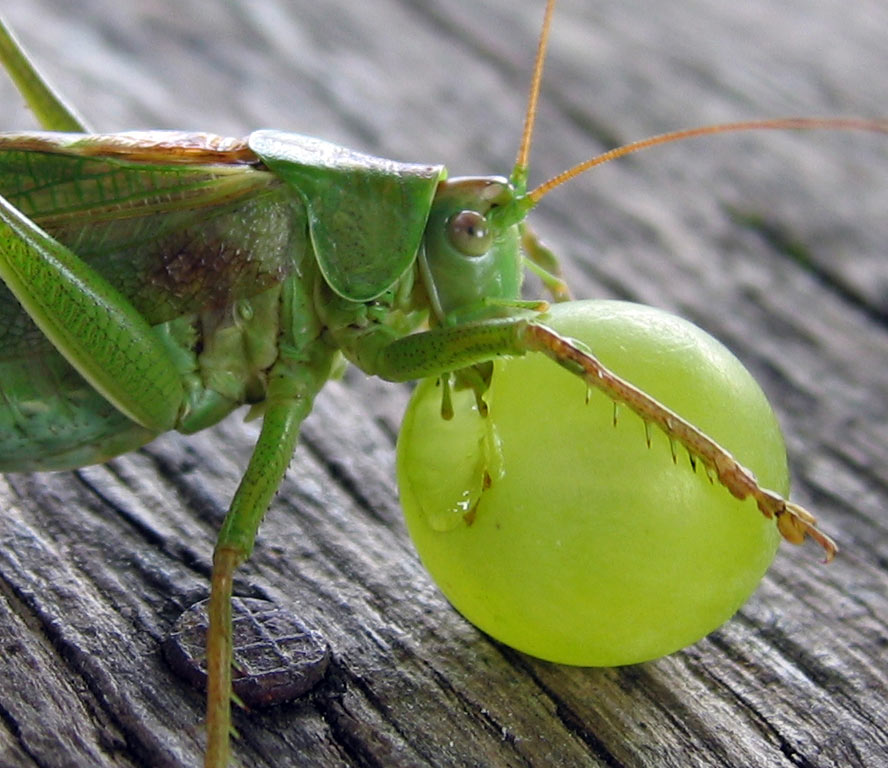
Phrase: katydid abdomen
pixel 51 418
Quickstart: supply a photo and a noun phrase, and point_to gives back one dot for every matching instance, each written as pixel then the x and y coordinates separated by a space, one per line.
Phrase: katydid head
pixel 470 259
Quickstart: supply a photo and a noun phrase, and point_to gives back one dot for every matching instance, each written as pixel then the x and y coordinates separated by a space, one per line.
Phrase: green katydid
pixel 335 252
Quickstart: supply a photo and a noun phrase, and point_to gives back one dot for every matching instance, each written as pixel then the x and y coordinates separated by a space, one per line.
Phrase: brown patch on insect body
pixel 239 253
pixel 196 268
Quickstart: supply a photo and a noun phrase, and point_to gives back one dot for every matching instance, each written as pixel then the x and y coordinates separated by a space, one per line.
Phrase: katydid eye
pixel 468 233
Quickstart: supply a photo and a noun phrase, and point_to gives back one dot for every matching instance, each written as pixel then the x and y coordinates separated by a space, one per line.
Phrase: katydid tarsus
pixel 334 253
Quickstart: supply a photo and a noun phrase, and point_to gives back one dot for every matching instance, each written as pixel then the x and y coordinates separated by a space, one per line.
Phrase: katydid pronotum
pixel 330 294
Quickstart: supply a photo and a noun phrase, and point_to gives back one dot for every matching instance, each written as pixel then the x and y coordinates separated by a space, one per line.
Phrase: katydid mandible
pixel 162 279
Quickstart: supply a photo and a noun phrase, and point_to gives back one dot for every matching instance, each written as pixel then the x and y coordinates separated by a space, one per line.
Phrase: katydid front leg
pixel 441 350
pixel 543 262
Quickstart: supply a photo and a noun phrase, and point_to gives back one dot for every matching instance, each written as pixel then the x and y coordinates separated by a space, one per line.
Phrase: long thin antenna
pixel 783 123
pixel 519 175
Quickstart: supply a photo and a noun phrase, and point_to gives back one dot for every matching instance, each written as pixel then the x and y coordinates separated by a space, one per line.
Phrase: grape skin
pixel 590 547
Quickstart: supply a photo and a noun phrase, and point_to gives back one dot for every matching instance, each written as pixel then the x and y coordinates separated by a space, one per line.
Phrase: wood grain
pixel 773 243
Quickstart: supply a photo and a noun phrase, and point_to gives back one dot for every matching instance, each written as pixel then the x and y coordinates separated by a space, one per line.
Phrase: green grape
pixel 567 536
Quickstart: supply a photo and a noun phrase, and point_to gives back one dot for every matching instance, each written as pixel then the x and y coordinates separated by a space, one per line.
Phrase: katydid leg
pixel 90 322
pixel 441 350
pixel 793 521
pixel 543 262
pixel 305 364
pixel 269 462
pixel 49 108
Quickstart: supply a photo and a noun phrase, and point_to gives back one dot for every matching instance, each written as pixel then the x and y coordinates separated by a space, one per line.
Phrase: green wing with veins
pixel 174 238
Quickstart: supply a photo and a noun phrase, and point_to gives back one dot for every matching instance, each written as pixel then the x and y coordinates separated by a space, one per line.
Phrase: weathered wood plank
pixel 773 243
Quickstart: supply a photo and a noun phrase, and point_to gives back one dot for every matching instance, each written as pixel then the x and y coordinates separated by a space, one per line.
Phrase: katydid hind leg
pixel 90 323
pixel 50 109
